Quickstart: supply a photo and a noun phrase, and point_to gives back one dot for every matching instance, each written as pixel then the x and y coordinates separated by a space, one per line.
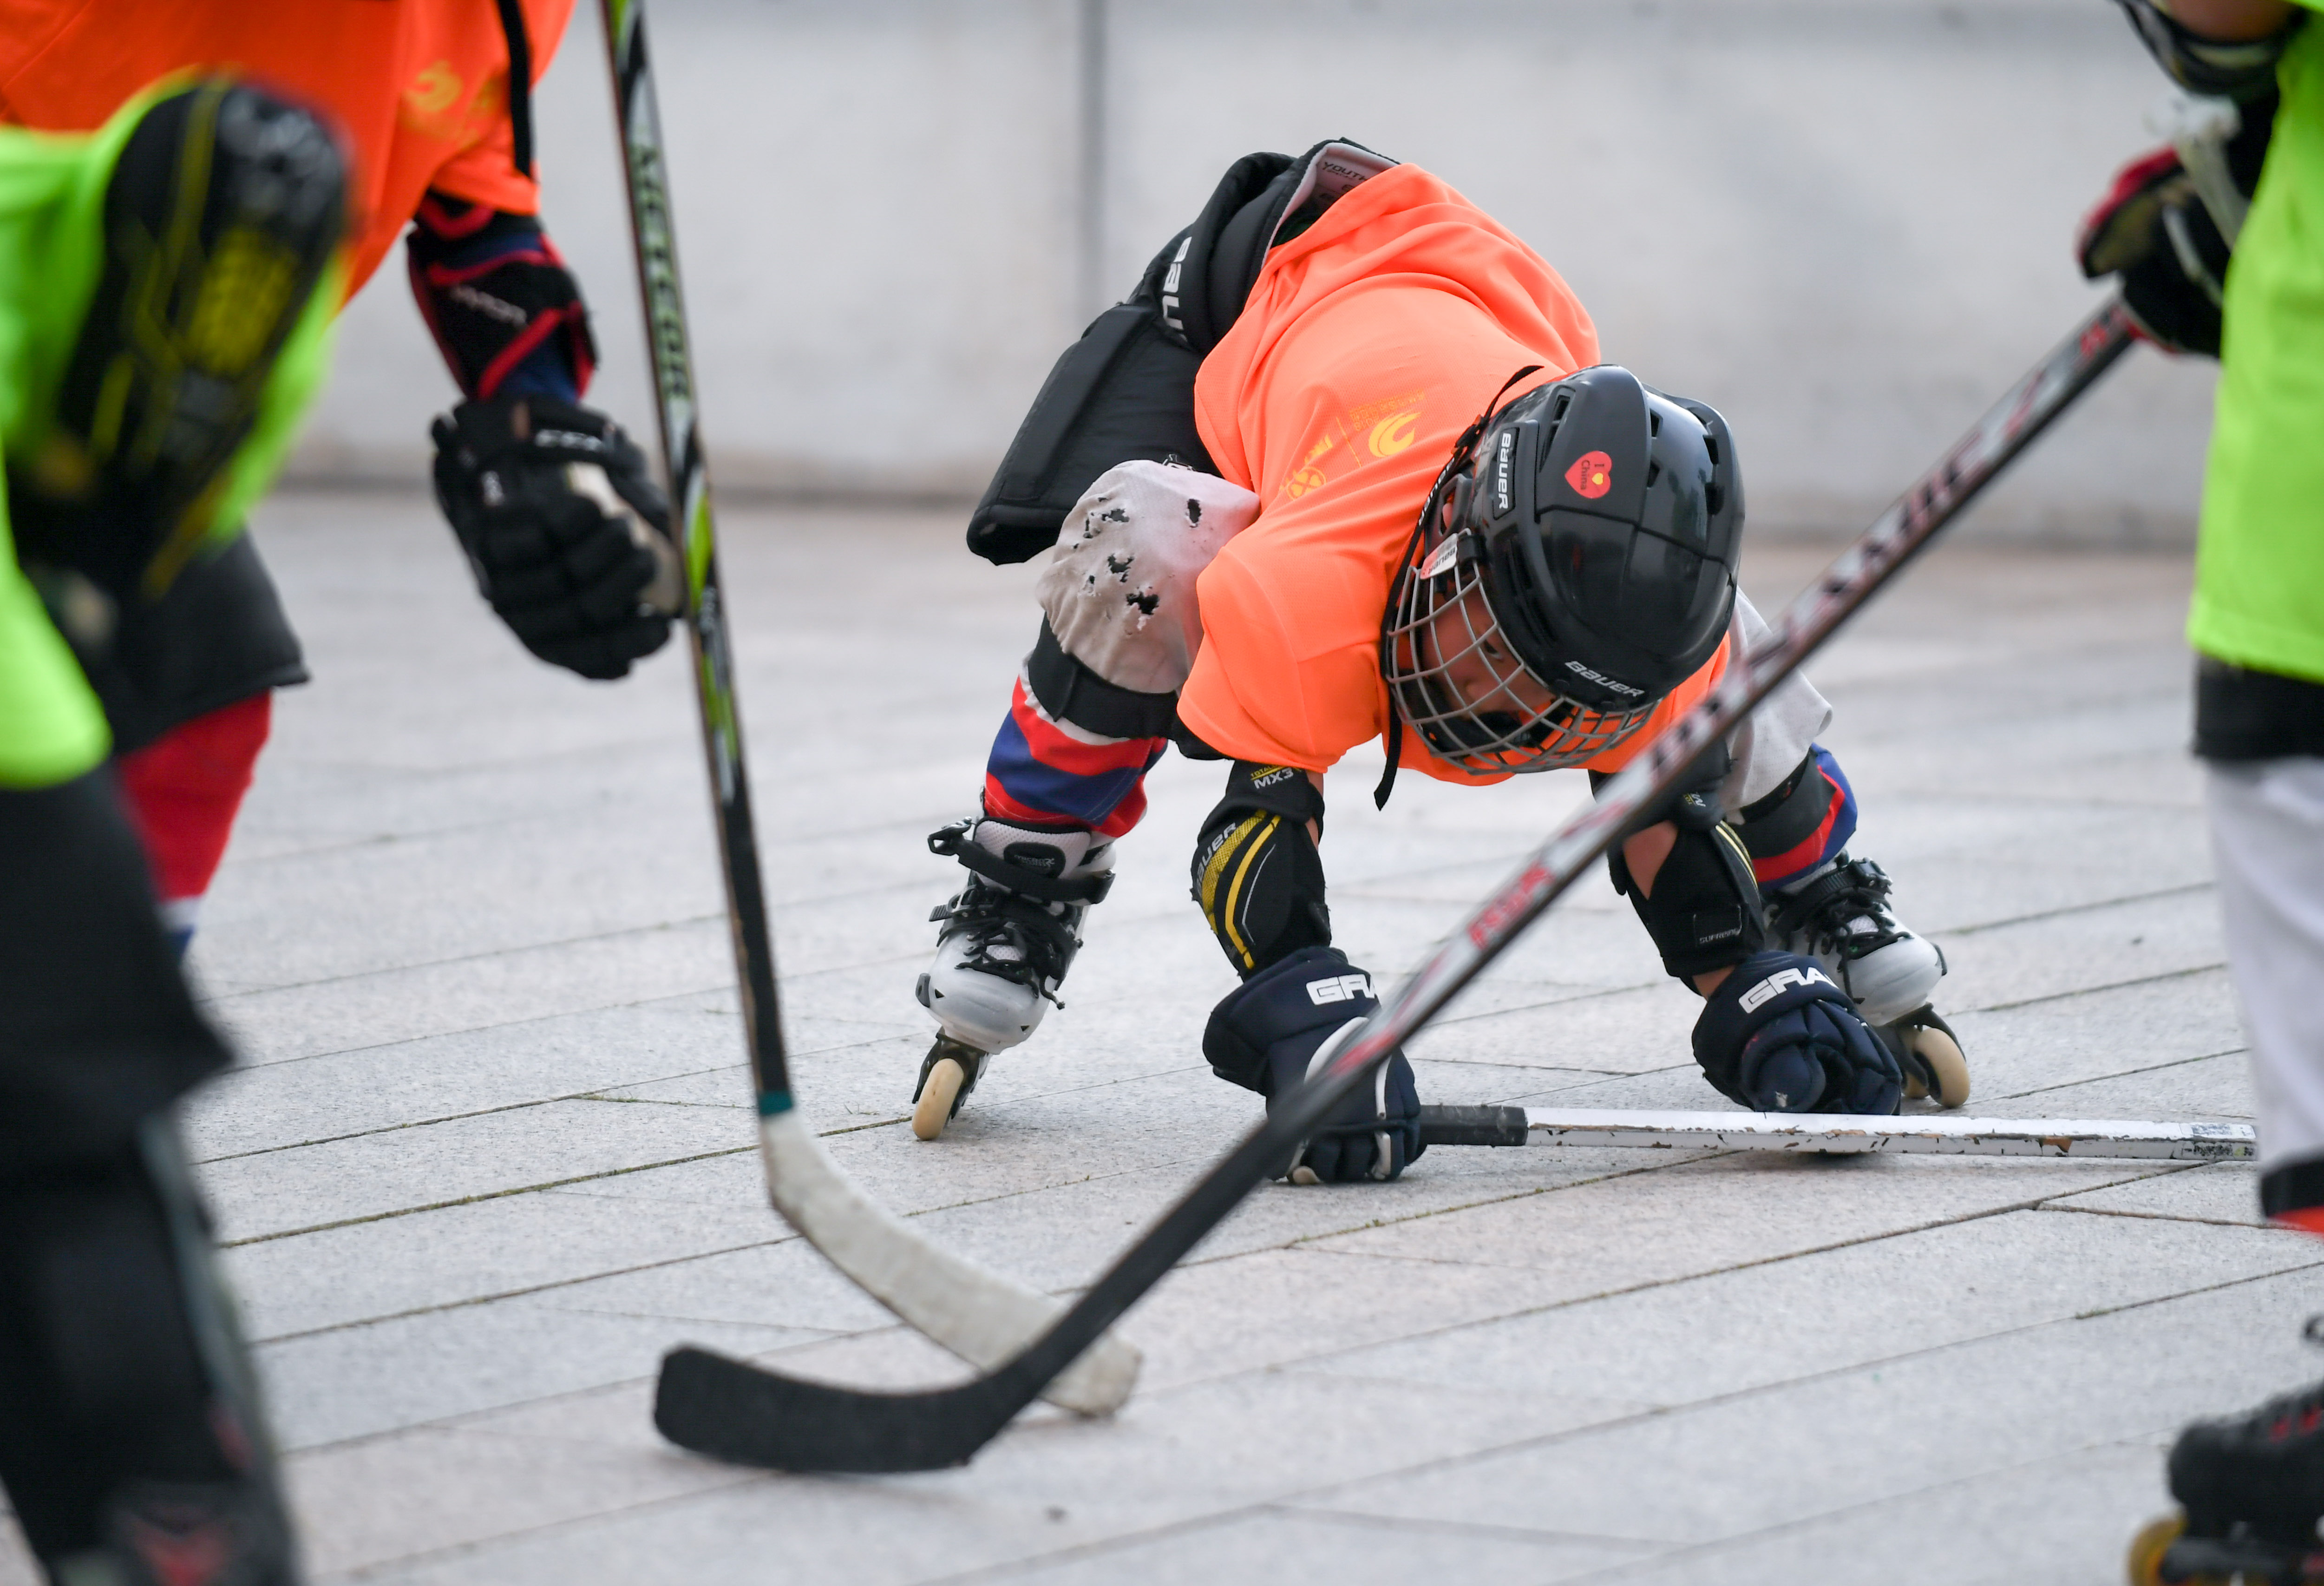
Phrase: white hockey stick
pixel 983 1318
pixel 1828 1134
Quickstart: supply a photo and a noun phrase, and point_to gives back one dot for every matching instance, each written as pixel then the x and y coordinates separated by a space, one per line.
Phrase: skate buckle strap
pixel 991 918
pixel 954 842
pixel 1847 891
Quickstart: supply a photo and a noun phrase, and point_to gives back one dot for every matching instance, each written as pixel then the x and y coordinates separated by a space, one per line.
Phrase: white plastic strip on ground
pixel 983 1318
pixel 1940 1135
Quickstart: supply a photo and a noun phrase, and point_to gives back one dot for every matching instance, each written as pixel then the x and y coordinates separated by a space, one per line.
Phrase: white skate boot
pixel 1008 937
pixel 1838 914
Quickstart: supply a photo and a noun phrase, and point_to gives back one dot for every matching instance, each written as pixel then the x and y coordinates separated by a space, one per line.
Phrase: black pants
pixel 96 1028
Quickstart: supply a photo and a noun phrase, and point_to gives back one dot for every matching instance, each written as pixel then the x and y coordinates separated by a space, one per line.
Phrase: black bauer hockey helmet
pixel 1574 563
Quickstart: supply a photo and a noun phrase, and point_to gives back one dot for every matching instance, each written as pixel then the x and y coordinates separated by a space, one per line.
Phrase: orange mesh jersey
pixel 1368 344
pixel 418 88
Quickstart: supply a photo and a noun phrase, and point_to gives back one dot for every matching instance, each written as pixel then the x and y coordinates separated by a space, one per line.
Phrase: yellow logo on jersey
pixel 437 105
pixel 1394 433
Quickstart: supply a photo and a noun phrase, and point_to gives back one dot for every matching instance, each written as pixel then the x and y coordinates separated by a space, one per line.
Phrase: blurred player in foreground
pixel 550 500
pixel 2245 179
pixel 166 289
pixel 1413 505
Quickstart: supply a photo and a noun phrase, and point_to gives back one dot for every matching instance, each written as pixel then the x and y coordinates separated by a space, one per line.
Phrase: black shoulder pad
pixel 1125 391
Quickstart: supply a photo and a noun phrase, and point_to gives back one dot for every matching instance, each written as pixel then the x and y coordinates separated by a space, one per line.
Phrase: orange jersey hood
pixel 1368 344
pixel 418 88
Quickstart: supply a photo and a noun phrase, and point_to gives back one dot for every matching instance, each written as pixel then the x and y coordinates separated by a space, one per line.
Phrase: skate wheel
pixel 2144 1566
pixel 939 1098
pixel 1943 1056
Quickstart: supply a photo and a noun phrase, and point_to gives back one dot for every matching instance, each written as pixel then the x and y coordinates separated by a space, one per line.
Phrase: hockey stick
pixel 978 1315
pixel 739 1412
pixel 1825 1134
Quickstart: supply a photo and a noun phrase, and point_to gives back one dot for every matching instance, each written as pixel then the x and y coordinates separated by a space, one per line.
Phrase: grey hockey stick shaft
pixel 977 1314
pixel 743 1412
pixel 1822 1133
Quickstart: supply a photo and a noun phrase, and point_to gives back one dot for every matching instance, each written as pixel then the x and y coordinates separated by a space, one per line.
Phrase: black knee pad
pixel 1256 875
pixel 1704 912
pixel 1789 815
pixel 118 1363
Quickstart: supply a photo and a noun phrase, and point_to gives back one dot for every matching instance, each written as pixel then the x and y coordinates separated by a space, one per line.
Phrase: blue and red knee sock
pixel 1801 825
pixel 1042 773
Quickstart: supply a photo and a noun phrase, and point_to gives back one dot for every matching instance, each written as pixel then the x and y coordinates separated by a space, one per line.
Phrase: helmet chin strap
pixel 1464 453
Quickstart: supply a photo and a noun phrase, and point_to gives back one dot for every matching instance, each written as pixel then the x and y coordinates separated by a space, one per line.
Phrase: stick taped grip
pixel 1442 1125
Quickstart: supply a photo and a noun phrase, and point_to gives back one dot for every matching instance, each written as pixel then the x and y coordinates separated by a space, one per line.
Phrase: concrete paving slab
pixel 459 1254
pixel 484 992
pixel 438 1488
pixel 1604 1236
pixel 1565 1363
pixel 1052 1487
pixel 1353 1549
pixel 342 1181
pixel 1733 1468
pixel 1742 1328
pixel 354 1382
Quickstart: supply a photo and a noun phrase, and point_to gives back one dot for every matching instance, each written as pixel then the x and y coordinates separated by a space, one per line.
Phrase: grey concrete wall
pixel 1848 225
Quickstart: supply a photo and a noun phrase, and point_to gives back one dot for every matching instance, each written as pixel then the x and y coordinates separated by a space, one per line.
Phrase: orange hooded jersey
pixel 418 88
pixel 1367 344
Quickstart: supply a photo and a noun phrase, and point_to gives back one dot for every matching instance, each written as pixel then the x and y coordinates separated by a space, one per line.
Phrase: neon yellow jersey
pixel 53 190
pixel 2259 564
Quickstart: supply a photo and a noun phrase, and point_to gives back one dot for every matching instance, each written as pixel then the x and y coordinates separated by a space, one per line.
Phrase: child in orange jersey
pixel 1415 506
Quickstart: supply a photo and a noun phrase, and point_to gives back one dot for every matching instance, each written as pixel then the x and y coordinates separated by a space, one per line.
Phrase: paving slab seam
pixel 2172 1217
pixel 498 1194
pixel 2072 908
pixel 2144 980
pixel 2125 1074
pixel 824 1334
pixel 2219 1287
pixel 248 1063
pixel 1651 1284
pixel 323 848
pixel 1665 1551
pixel 1098 1549
pixel 1678 1552
pixel 1761 1390
pixel 437 1555
pixel 512 949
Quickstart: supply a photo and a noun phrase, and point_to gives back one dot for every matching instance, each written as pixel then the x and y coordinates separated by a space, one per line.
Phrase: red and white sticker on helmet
pixel 1591 475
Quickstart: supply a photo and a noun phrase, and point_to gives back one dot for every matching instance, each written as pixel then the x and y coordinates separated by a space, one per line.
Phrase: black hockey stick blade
pixel 733 1411
pixel 756 1416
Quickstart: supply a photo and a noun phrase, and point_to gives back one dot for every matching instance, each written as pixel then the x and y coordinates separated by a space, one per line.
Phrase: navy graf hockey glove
pixel 566 532
pixel 1270 1033
pixel 1778 1036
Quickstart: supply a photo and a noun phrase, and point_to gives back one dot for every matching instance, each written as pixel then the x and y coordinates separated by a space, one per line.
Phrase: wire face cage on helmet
pixel 1456 677
pixel 1574 563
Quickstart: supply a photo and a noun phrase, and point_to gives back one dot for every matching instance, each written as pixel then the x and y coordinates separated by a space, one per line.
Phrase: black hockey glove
pixel 2153 230
pixel 1778 1036
pixel 566 531
pixel 1267 1034
pixel 2169 236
